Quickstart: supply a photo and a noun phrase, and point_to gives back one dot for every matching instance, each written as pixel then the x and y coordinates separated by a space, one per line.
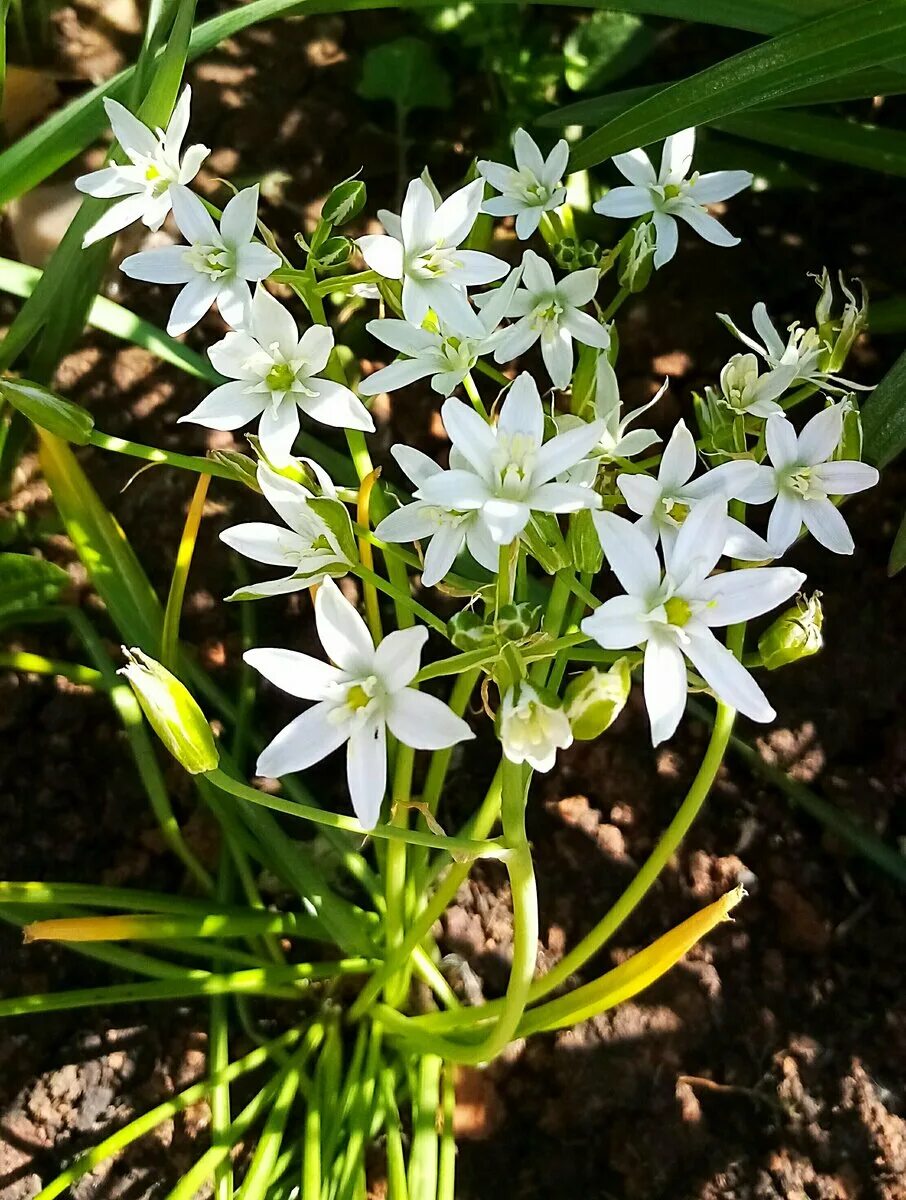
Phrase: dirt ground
pixel 770 1064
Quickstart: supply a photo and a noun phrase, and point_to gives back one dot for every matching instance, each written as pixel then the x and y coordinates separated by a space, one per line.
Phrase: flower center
pixel 280 377
pixel 678 611
pixel 672 190
pixel 514 460
pixel 433 263
pixel 548 312
pixel 799 481
pixel 674 510
pixel 215 261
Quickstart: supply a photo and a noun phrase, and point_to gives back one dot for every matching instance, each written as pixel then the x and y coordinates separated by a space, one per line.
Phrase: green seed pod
pixel 48 410
pixel 345 202
pixel 516 621
pixel 468 631
pixel 595 699
pixel 795 634
pixel 172 712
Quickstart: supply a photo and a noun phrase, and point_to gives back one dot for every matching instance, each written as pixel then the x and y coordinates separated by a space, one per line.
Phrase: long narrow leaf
pixel 824 137
pixel 831 46
pixel 884 416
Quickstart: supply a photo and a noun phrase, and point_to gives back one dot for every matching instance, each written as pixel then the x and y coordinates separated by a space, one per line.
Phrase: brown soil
pixel 770 1064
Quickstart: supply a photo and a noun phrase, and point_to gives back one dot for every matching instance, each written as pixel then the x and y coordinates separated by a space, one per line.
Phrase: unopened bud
pixel 595 699
pixel 172 712
pixel 532 727
pixel 637 258
pixel 48 410
pixel 583 543
pixel 345 202
pixel 242 469
pixel 334 251
pixel 795 634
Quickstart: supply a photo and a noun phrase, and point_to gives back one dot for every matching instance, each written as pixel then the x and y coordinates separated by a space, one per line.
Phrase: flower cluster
pixel 531 476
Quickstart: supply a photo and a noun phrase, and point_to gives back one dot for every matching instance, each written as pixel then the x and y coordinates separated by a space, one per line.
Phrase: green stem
pixel 454 846
pixel 615 304
pixel 474 395
pixel 186 462
pixel 423 1158
pixel 401 597
pixel 395 872
pixel 37 664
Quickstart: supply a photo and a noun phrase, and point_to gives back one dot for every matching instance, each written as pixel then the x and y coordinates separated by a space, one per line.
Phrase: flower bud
pixel 242 469
pixel 48 410
pixel 513 622
pixel 532 727
pixel 637 258
pixel 172 712
pixel 795 634
pixel 334 251
pixel 345 202
pixel 595 699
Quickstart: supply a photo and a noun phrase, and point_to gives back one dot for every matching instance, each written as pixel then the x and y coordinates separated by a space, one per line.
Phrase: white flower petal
pixel 820 436
pixel 565 450
pixel 417 466
pixel 521 411
pixel 666 238
pixel 455 490
pixel 107 183
pixel 557 353
pixel 619 623
pixel 676 156
pixel 456 216
pixel 304 741
pixel 725 674
pixel 631 556
pixel 382 254
pixel 635 165
pixel 129 131
pixel 192 218
pixel 398 375
pixel 699 543
pixel 255 261
pixel 229 406
pixel 272 322
pixel 416 216
pixel 403 337
pixel 423 722
pixel 505 519
pixel 665 687
pixel 296 674
pixel 826 525
pixel 765 329
pixel 337 405
pixel 706 226
pixel 411 523
pixel 191 304
pixel 641 492
pixel 264 543
pixel 166 264
pixel 343 633
pixel 784 523
pixel 366 772
pixel 586 329
pixel 679 459
pixel 845 477
pixel 780 436
pixel 441 553
pixel 740 595
pixel 626 202
pixel 237 225
pixel 398 657
pixel 562 498
pixel 278 430
pixel 714 186
pixel 238 356
pixel 470 433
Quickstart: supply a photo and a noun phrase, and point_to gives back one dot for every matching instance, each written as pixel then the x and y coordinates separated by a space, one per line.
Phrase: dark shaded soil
pixel 770 1064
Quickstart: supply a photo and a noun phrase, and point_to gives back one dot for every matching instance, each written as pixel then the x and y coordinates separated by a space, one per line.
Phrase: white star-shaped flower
pixel 421 247
pixel 308 546
pixel 274 372
pixel 618 441
pixel 358 699
pixel 507 471
pixel 447 355
pixel 551 311
pixel 449 529
pixel 672 614
pixel 669 194
pixel 154 166
pixel 804 351
pixel 216 265
pixel 530 189
pixel 664 503
pixel 802 479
